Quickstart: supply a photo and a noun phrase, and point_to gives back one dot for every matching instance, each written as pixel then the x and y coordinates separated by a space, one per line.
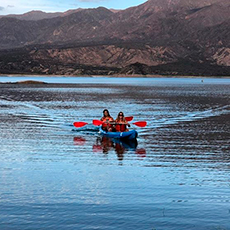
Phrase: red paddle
pixel 79 124
pixel 138 123
pixel 97 122
pixel 129 118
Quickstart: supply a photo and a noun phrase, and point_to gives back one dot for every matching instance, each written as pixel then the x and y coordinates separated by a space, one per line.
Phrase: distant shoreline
pixel 113 76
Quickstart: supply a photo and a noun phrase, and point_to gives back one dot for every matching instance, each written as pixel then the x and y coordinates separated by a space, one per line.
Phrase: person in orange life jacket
pixel 107 119
pixel 122 124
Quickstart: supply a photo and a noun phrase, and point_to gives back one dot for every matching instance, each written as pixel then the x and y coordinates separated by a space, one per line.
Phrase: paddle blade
pixel 129 118
pixel 97 122
pixel 79 124
pixel 140 123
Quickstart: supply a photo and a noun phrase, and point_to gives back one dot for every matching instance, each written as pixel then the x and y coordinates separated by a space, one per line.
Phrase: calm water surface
pixel 54 176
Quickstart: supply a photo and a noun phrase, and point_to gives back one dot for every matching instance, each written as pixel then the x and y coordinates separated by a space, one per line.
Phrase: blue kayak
pixel 130 135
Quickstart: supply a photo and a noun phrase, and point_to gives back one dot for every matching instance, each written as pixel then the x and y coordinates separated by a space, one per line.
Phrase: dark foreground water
pixel 53 176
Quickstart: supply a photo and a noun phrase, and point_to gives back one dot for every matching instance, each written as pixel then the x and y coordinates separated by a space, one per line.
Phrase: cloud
pixel 1 8
pixel 10 6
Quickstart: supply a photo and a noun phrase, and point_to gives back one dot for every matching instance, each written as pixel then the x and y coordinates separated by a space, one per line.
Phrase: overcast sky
pixel 22 6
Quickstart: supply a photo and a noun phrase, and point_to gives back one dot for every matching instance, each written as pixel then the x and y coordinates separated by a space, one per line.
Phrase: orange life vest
pixel 106 119
pixel 120 127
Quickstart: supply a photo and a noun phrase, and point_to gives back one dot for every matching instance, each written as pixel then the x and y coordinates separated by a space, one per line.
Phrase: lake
pixel 54 176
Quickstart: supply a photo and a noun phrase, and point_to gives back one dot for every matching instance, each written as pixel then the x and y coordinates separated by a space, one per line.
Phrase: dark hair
pixel 106 110
pixel 122 115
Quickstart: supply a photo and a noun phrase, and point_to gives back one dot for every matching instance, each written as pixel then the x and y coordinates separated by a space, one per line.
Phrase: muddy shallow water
pixel 54 176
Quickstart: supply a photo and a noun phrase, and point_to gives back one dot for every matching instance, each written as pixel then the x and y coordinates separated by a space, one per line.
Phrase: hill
pixel 158 33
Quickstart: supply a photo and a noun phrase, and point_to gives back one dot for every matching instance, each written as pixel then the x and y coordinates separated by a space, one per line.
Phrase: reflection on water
pixel 54 176
pixel 79 141
pixel 105 145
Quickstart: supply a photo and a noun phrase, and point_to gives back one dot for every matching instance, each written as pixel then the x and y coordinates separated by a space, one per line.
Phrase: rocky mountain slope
pixel 159 33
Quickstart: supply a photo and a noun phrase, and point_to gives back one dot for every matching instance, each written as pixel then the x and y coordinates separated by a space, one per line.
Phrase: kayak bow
pixel 130 135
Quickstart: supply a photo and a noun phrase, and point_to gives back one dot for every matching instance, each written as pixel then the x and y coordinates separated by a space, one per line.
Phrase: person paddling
pixel 106 119
pixel 121 123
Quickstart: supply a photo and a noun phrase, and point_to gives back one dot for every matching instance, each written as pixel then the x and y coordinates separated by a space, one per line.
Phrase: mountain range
pixel 172 37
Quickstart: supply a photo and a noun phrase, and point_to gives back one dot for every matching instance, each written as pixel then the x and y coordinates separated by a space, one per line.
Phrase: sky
pixel 23 6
